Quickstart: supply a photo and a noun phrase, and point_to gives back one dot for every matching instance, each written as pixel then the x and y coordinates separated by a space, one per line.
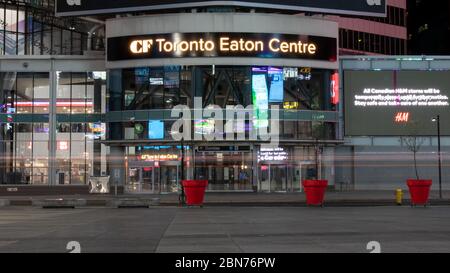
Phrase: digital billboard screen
pixel 92 7
pixel 276 92
pixel 156 129
pixel 396 103
pixel 260 97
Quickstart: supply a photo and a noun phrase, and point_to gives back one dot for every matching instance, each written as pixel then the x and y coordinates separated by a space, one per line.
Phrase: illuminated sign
pixel 138 128
pixel 290 105
pixel 377 103
pixel 401 117
pixel 335 88
pixel 93 7
pixel 260 98
pixel 97 130
pixel 276 91
pixel 204 126
pixel 63 145
pixel 158 157
pixel 401 97
pixel 272 154
pixel 305 74
pixel 156 129
pixel 225 45
pixel 260 45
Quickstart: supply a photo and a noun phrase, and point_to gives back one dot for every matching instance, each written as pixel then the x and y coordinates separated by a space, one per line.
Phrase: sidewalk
pixel 352 198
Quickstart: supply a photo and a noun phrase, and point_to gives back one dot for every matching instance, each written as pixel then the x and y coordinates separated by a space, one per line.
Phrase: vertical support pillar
pixel 255 169
pixel 97 166
pixel 327 89
pixel 117 165
pixel 52 179
pixel 116 158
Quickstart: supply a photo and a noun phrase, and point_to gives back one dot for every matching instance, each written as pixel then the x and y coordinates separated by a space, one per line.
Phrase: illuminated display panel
pixel 276 91
pixel 353 7
pixel 253 45
pixel 204 126
pixel 97 130
pixel 260 97
pixel 156 129
pixel 396 103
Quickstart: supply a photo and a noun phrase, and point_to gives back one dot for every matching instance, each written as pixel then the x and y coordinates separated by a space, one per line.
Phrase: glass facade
pixel 147 92
pixel 26 113
pixel 24 142
pixel 139 120
pixel 62 128
pixel 78 151
pixel 29 28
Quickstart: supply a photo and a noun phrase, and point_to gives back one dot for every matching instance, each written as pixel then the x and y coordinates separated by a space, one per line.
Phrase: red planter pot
pixel 195 191
pixel 420 191
pixel 315 191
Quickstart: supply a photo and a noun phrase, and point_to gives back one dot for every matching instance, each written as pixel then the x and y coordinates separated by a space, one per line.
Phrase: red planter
pixel 419 190
pixel 315 191
pixel 195 191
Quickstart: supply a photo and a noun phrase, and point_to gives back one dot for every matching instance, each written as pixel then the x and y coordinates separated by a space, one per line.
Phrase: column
pixel 52 179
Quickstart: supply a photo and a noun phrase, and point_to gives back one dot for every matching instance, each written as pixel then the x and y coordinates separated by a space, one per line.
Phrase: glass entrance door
pixel 170 177
pixel 143 180
pixel 134 180
pixel 278 179
pixel 273 178
pixel 149 183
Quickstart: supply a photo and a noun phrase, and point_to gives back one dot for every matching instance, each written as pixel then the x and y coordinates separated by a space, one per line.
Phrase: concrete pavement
pixel 226 229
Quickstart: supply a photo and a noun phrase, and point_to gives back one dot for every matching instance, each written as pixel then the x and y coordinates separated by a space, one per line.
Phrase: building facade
pixel 68 119
pixel 146 91
pixel 91 96
pixel 374 35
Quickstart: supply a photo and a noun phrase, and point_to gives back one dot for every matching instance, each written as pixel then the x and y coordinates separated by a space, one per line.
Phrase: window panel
pixel 11 19
pixel 66 43
pixel 41 93
pixel 21 24
pixel 10 43
pixel 24 93
pixel 56 48
pixel 63 98
pixel 78 101
pixel 78 160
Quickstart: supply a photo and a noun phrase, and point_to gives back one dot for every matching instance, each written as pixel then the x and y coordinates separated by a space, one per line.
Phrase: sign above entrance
pixel 92 7
pixel 223 148
pixel 259 45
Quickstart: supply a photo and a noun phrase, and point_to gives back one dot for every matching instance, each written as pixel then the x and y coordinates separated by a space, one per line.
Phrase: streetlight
pixel 437 119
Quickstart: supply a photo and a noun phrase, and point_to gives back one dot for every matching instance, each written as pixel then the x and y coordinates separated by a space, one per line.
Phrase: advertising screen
pixel 92 7
pixel 156 129
pixel 260 97
pixel 97 130
pixel 396 103
pixel 276 92
pixel 204 126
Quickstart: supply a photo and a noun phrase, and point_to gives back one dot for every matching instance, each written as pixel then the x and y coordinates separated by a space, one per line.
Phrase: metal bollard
pixel 399 197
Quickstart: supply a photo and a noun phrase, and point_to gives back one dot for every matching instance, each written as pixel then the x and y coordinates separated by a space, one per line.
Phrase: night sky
pixel 429 27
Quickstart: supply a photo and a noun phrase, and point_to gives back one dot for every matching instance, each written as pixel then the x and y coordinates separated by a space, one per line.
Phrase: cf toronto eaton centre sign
pixel 260 45
pixel 92 7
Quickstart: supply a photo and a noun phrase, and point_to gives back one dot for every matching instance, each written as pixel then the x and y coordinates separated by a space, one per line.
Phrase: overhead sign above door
pixel 92 7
